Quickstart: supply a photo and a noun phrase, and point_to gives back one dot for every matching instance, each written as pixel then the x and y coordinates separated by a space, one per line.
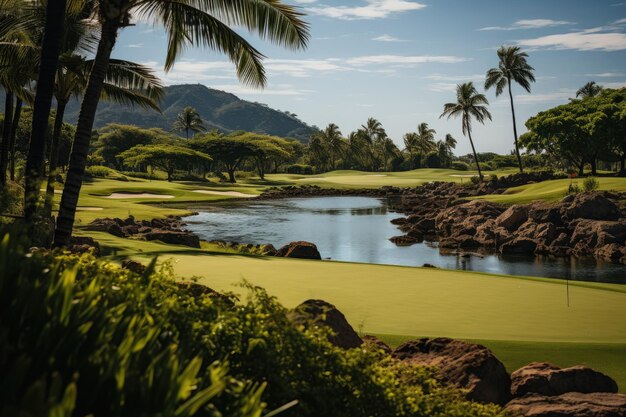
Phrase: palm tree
pixel 187 23
pixel 410 140
pixel 188 120
pixel 50 49
pixel 425 138
pixel 512 67
pixel 591 89
pixel 334 143
pixel 469 104
pixel 450 144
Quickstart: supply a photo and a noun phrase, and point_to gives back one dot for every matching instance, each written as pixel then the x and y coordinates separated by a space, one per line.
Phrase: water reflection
pixel 358 229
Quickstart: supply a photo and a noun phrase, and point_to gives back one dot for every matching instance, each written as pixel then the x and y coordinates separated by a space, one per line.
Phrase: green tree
pixel 512 67
pixel 470 104
pixel 186 23
pixel 334 143
pixel 231 152
pixel 168 158
pixel 188 120
pixel 267 151
pixel 591 89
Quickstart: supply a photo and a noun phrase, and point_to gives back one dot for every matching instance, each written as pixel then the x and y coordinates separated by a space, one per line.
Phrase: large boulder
pixel 300 249
pixel 469 366
pixel 595 233
pixel 323 314
pixel 547 379
pixel 519 246
pixel 111 226
pixel 513 217
pixel 590 206
pixel 572 404
pixel 174 237
pixel 464 218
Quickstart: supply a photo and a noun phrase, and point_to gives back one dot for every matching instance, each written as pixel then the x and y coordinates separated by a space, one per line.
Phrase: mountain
pixel 219 110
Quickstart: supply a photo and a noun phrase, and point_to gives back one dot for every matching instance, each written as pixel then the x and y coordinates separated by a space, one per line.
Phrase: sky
pixel 400 60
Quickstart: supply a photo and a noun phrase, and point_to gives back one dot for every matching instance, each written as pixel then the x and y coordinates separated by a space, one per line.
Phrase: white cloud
pixel 618 84
pixel 443 87
pixel 404 60
pixel 561 96
pixel 530 24
pixel 455 78
pixel 373 9
pixel 582 41
pixel 388 38
pixel 607 75
pixel 602 38
pixel 302 68
pixel 274 90
pixel 135 45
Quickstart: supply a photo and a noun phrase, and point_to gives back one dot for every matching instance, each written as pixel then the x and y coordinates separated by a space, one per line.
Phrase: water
pixel 357 229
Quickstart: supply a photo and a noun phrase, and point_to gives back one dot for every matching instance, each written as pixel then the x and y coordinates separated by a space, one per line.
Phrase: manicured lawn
pixel 551 190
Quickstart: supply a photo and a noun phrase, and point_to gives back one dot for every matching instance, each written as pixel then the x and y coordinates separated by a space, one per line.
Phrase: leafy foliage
pixel 81 336
pixel 165 157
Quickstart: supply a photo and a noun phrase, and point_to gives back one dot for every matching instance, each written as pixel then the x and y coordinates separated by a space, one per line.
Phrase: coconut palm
pixel 512 67
pixel 470 104
pixel 188 120
pixel 193 22
pixel 591 89
pixel 425 138
pixel 334 143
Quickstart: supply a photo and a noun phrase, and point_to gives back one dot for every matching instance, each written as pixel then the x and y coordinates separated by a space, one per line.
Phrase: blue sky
pixel 399 60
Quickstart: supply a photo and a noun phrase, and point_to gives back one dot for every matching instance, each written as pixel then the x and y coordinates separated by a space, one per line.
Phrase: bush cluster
pixel 301 169
pixel 79 336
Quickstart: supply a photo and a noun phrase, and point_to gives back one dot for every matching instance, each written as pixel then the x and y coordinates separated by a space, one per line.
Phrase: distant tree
pixel 268 151
pixel 511 68
pixel 188 120
pixel 169 158
pixel 387 149
pixel 334 143
pixel 591 89
pixel 470 105
pixel 231 152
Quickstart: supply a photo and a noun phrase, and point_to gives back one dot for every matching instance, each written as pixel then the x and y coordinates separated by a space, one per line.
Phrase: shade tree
pixel 168 158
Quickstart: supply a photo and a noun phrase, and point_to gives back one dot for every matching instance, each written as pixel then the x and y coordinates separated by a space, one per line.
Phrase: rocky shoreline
pixel 582 225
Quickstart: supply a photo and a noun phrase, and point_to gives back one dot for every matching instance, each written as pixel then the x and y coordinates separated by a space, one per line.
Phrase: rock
pixel 513 217
pixel 590 206
pixel 107 225
pixel 595 233
pixel 133 266
pixel 572 404
pixel 300 249
pixel 198 290
pixel 83 244
pixel 469 366
pixel 174 237
pixel 519 246
pixel 269 250
pixel 547 379
pixel 376 344
pixel 612 253
pixel 323 314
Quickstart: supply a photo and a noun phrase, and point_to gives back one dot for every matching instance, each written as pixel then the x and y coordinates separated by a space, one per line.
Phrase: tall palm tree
pixel 50 49
pixel 512 67
pixel 425 138
pixel 470 104
pixel 450 144
pixel 188 120
pixel 591 89
pixel 410 140
pixel 334 143
pixel 192 22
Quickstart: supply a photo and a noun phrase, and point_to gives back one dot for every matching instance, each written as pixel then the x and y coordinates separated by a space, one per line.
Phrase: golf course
pixel 522 319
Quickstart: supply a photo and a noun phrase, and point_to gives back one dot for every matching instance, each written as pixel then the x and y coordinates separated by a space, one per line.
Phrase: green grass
pixel 553 190
pixel 521 319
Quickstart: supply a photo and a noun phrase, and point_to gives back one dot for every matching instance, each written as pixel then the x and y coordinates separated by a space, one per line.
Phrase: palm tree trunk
pixel 6 132
pixel 16 120
pixel 78 158
pixel 51 44
pixel 622 170
pixel 480 174
pixel 519 158
pixel 53 157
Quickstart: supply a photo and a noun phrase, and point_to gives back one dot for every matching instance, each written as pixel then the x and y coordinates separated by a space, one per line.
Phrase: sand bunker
pixel 87 208
pixel 138 195
pixel 378 175
pixel 463 175
pixel 227 193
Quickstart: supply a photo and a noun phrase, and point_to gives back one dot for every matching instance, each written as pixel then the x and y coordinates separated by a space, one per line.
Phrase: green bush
pixel 79 336
pixel 99 171
pixel 486 166
pixel 459 165
pixel 590 184
pixel 301 169
pixel 475 179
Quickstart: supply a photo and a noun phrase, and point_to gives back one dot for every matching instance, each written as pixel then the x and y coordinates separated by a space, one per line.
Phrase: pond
pixel 357 229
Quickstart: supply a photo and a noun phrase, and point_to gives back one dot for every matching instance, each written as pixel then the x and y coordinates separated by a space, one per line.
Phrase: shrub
pixel 590 184
pixel 99 171
pixel 573 189
pixel 486 166
pixel 459 165
pixel 92 338
pixel 475 179
pixel 301 169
